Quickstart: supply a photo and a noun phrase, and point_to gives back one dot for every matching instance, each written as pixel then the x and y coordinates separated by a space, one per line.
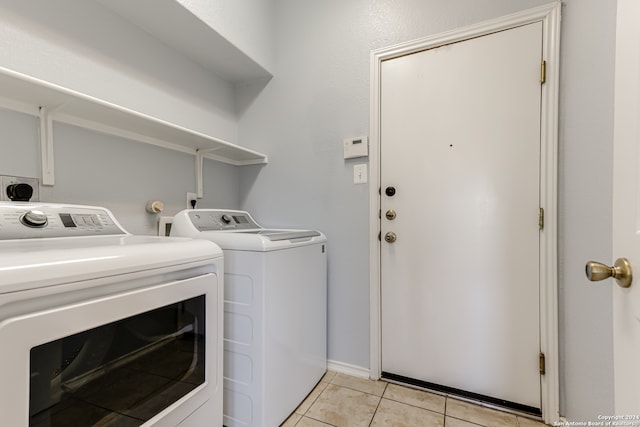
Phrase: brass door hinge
pixel 542 364
pixel 541 219
pixel 543 72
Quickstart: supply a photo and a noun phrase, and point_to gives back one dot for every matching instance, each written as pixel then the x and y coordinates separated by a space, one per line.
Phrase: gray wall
pixel 320 95
pixel 248 25
pixel 122 175
pixel 586 150
pixel 83 46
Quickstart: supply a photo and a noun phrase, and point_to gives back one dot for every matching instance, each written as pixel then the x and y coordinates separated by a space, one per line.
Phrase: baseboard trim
pixel 347 369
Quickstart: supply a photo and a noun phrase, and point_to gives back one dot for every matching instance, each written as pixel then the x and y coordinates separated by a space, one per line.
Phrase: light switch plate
pixel 360 174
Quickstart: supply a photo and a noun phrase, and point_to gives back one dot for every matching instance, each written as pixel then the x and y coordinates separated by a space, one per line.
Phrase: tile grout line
pixel 465 421
pixel 415 406
pixel 378 405
pixel 304 415
pixel 444 419
pixel 373 391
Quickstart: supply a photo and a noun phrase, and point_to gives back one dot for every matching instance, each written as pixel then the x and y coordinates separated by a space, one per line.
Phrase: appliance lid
pixel 277 235
pixel 237 230
pixel 264 240
pixel 35 263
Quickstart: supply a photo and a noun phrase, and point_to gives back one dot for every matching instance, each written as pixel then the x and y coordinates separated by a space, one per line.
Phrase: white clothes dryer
pixel 101 327
pixel 275 334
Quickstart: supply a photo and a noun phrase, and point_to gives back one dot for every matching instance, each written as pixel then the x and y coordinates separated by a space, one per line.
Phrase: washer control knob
pixel 34 218
pixel 226 219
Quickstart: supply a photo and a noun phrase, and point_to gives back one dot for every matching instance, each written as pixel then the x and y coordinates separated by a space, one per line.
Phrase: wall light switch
pixel 360 174
pixel 356 147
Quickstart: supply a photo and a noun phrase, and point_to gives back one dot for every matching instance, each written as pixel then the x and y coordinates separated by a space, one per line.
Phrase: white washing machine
pixel 275 348
pixel 101 327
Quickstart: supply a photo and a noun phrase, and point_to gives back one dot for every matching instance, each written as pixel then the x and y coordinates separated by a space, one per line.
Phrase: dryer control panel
pixel 36 220
pixel 216 219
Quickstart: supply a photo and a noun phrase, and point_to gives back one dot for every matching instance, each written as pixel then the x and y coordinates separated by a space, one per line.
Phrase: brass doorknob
pixel 390 214
pixel 390 237
pixel 621 271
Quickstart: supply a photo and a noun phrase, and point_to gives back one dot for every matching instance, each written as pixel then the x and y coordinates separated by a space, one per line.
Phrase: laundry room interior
pixel 293 83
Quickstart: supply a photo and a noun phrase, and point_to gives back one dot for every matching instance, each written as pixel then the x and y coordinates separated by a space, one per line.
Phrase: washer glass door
pixel 131 358
pixel 125 371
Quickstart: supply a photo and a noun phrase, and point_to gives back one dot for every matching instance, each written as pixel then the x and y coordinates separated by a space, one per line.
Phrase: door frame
pixel 549 15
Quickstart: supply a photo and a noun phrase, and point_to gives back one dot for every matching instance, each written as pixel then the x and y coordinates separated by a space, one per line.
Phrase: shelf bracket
pixel 200 152
pixel 199 174
pixel 46 145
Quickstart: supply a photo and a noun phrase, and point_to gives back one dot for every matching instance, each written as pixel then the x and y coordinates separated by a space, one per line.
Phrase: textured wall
pixel 83 46
pixel 320 95
pixel 586 141
pixel 246 23
pixel 122 175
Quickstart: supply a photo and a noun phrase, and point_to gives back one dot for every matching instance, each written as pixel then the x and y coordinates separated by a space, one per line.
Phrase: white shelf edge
pixel 110 130
pixel 263 161
pixel 23 93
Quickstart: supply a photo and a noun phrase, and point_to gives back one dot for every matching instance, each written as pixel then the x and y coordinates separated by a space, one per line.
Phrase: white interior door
pixel 626 212
pixel 460 144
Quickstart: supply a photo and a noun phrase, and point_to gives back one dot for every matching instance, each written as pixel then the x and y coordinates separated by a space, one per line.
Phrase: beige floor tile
pixel 527 422
pixel 395 414
pixel 310 422
pixel 479 415
pixel 291 421
pixel 419 398
pixel 344 407
pixel 454 422
pixel 306 403
pixel 328 376
pixel 360 384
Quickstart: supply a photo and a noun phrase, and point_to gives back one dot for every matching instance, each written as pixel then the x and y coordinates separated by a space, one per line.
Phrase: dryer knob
pixel 226 219
pixel 33 218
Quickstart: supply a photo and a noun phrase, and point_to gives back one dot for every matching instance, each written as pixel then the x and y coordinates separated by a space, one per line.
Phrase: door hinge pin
pixel 543 72
pixel 542 364
pixel 541 219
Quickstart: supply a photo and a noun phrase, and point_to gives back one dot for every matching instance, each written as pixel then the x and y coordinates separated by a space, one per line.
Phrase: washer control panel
pixel 31 220
pixel 214 219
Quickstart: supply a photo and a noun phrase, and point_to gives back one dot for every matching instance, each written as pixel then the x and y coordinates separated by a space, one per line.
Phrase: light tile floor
pixel 343 401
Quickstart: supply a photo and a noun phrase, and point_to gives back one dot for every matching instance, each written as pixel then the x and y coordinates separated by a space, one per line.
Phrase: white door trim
pixel 549 15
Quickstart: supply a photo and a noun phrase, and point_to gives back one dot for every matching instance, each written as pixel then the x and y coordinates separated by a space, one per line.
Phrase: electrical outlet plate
pixel 7 180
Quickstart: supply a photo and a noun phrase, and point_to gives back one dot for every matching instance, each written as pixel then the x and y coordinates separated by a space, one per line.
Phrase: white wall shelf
pixel 51 102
